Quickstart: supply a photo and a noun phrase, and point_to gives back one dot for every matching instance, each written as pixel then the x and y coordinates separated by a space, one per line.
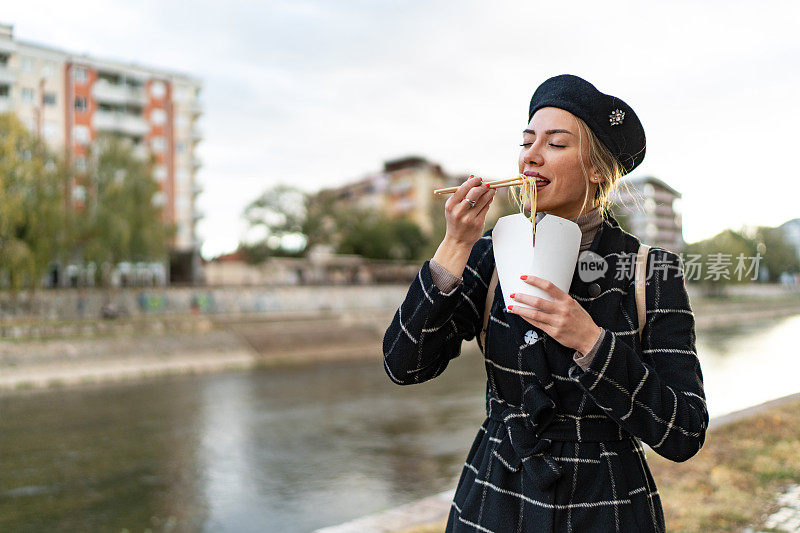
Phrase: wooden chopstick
pixel 506 182
pixel 509 183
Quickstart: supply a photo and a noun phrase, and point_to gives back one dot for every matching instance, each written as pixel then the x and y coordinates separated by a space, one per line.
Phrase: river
pixel 288 449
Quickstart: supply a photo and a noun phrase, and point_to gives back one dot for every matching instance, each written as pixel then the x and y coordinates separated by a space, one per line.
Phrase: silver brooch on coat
pixel 616 117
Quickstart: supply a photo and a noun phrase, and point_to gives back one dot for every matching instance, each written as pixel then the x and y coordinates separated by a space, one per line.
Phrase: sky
pixel 316 94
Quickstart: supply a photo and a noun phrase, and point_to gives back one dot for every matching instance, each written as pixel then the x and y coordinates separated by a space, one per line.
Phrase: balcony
pixel 7 76
pixel 196 162
pixel 120 123
pixel 196 135
pixel 196 189
pixel 111 93
pixel 6 104
pixel 195 107
pixel 7 46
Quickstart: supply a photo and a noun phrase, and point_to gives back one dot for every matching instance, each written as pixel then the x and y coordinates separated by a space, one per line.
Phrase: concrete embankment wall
pixel 77 304
pixel 241 327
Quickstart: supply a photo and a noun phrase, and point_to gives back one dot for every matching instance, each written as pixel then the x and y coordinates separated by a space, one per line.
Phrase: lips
pixel 539 178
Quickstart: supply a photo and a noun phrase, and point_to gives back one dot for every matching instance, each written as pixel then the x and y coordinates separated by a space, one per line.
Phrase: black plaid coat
pixel 561 449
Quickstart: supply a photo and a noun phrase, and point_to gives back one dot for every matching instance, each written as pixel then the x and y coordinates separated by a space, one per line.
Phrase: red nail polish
pixel 486 185
pixel 523 277
pixel 513 294
pixel 509 307
pixel 471 175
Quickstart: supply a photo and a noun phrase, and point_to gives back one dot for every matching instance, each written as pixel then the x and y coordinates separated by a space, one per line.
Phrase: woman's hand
pixel 465 223
pixel 563 319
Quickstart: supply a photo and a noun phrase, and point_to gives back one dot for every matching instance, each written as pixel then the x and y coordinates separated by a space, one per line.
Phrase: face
pixel 551 147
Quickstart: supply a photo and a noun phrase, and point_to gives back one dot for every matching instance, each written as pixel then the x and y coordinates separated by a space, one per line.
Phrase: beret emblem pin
pixel 616 117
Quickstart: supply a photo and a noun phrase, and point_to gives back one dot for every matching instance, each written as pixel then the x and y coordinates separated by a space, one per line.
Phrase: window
pixel 27 95
pixel 180 147
pixel 27 64
pixel 79 74
pixel 160 173
pixel 82 134
pixel 49 98
pixel 49 69
pixel 159 199
pixel 158 89
pixel 80 163
pixel 50 130
pixel 80 103
pixel 158 116
pixel 78 193
pixel 158 144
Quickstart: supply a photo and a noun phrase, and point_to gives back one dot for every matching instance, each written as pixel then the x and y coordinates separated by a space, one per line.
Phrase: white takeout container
pixel 554 257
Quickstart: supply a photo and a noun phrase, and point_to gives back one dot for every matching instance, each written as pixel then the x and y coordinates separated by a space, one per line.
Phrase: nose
pixel 532 154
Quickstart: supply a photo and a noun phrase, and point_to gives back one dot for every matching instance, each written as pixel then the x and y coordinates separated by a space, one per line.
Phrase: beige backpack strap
pixel 640 280
pixel 488 307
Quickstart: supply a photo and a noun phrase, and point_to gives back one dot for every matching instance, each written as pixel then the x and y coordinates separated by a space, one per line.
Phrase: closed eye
pixel 551 144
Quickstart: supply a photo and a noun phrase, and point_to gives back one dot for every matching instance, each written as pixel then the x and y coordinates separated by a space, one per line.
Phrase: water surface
pixel 286 449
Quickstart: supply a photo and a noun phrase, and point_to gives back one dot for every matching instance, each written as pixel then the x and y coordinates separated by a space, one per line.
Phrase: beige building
pixel 650 210
pixel 69 100
pixel 403 189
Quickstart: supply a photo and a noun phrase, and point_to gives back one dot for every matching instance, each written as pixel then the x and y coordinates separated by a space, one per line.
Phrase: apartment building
pixel 403 189
pixel 649 208
pixel 70 100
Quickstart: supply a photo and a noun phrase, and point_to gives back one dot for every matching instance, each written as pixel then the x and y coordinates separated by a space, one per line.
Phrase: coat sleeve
pixel 429 326
pixel 662 403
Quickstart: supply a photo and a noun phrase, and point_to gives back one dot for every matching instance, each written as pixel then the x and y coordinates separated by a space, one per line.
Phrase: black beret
pixel 611 119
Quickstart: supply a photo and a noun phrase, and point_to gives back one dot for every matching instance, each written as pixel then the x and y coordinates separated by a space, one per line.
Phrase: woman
pixel 572 390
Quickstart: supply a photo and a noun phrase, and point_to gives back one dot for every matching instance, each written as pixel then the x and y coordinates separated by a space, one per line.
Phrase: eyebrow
pixel 548 132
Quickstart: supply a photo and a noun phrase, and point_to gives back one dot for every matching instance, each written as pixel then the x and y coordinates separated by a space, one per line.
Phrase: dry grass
pixel 733 481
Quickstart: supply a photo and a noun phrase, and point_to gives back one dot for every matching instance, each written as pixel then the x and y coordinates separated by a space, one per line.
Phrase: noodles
pixel 527 190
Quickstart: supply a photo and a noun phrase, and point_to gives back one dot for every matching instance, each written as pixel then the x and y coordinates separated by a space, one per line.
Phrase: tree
pixel 778 255
pixel 122 219
pixel 373 235
pixel 727 242
pixel 33 218
pixel 276 221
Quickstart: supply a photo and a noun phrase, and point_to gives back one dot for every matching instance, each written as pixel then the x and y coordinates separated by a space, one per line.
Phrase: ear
pixel 595 176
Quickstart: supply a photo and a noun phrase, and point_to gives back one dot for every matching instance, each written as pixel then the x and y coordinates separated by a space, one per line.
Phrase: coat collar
pixel 609 241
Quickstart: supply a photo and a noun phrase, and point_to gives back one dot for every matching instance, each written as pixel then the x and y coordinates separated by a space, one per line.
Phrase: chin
pixel 540 206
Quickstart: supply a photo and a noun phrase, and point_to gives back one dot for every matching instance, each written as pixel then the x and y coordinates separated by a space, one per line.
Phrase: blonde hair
pixel 607 166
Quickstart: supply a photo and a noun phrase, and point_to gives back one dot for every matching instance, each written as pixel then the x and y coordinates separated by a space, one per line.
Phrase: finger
pixel 546 286
pixel 476 193
pixel 472 199
pixel 534 301
pixel 484 202
pixel 465 187
pixel 468 206
pixel 534 316
pixel 480 212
